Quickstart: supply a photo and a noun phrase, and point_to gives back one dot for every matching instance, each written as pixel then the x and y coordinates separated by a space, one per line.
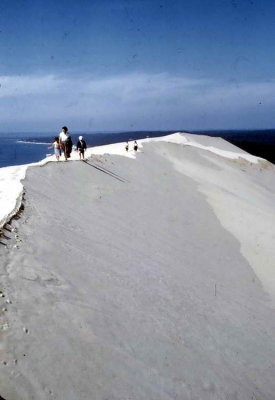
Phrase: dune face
pixel 141 278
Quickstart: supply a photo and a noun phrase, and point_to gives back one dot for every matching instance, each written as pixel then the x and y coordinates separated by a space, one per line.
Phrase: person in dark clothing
pixel 69 146
pixel 135 146
pixel 81 147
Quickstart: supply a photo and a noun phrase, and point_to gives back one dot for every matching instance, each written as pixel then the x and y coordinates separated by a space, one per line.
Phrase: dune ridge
pixel 141 278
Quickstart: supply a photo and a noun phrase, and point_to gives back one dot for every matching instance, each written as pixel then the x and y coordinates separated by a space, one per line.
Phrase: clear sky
pixel 137 64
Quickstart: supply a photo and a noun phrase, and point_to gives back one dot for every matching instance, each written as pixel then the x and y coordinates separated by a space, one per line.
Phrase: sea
pixel 25 148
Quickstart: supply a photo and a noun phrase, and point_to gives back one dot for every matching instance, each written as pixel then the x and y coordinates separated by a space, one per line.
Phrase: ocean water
pixel 25 148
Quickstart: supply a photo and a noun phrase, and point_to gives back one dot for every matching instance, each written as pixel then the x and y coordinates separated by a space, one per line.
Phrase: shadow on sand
pixel 106 171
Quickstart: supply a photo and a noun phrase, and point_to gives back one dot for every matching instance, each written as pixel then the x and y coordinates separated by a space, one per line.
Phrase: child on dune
pixel 56 146
pixel 81 147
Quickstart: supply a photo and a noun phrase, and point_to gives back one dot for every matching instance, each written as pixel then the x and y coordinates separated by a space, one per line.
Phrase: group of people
pixel 135 147
pixel 64 144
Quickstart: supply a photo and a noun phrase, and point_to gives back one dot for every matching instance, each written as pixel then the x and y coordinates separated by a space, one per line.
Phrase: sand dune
pixel 147 277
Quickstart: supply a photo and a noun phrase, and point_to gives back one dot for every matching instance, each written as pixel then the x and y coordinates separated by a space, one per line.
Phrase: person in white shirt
pixel 65 142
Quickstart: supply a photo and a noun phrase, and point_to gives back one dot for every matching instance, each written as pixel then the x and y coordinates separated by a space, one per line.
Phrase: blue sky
pixel 137 64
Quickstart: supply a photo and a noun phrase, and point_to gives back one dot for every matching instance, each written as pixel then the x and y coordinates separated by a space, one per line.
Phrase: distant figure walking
pixel 65 142
pixel 135 146
pixel 127 146
pixel 81 147
pixel 56 146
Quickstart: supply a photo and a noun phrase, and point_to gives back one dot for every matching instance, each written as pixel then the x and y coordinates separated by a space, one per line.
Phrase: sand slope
pixel 139 285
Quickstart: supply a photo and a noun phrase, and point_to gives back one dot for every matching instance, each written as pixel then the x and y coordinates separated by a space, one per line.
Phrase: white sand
pixel 11 188
pixel 143 279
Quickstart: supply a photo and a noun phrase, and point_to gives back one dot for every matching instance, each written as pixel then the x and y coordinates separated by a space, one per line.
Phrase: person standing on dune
pixel 56 146
pixel 81 147
pixel 66 143
pixel 135 146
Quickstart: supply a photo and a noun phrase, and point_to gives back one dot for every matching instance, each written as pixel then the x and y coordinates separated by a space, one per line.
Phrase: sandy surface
pixel 137 285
